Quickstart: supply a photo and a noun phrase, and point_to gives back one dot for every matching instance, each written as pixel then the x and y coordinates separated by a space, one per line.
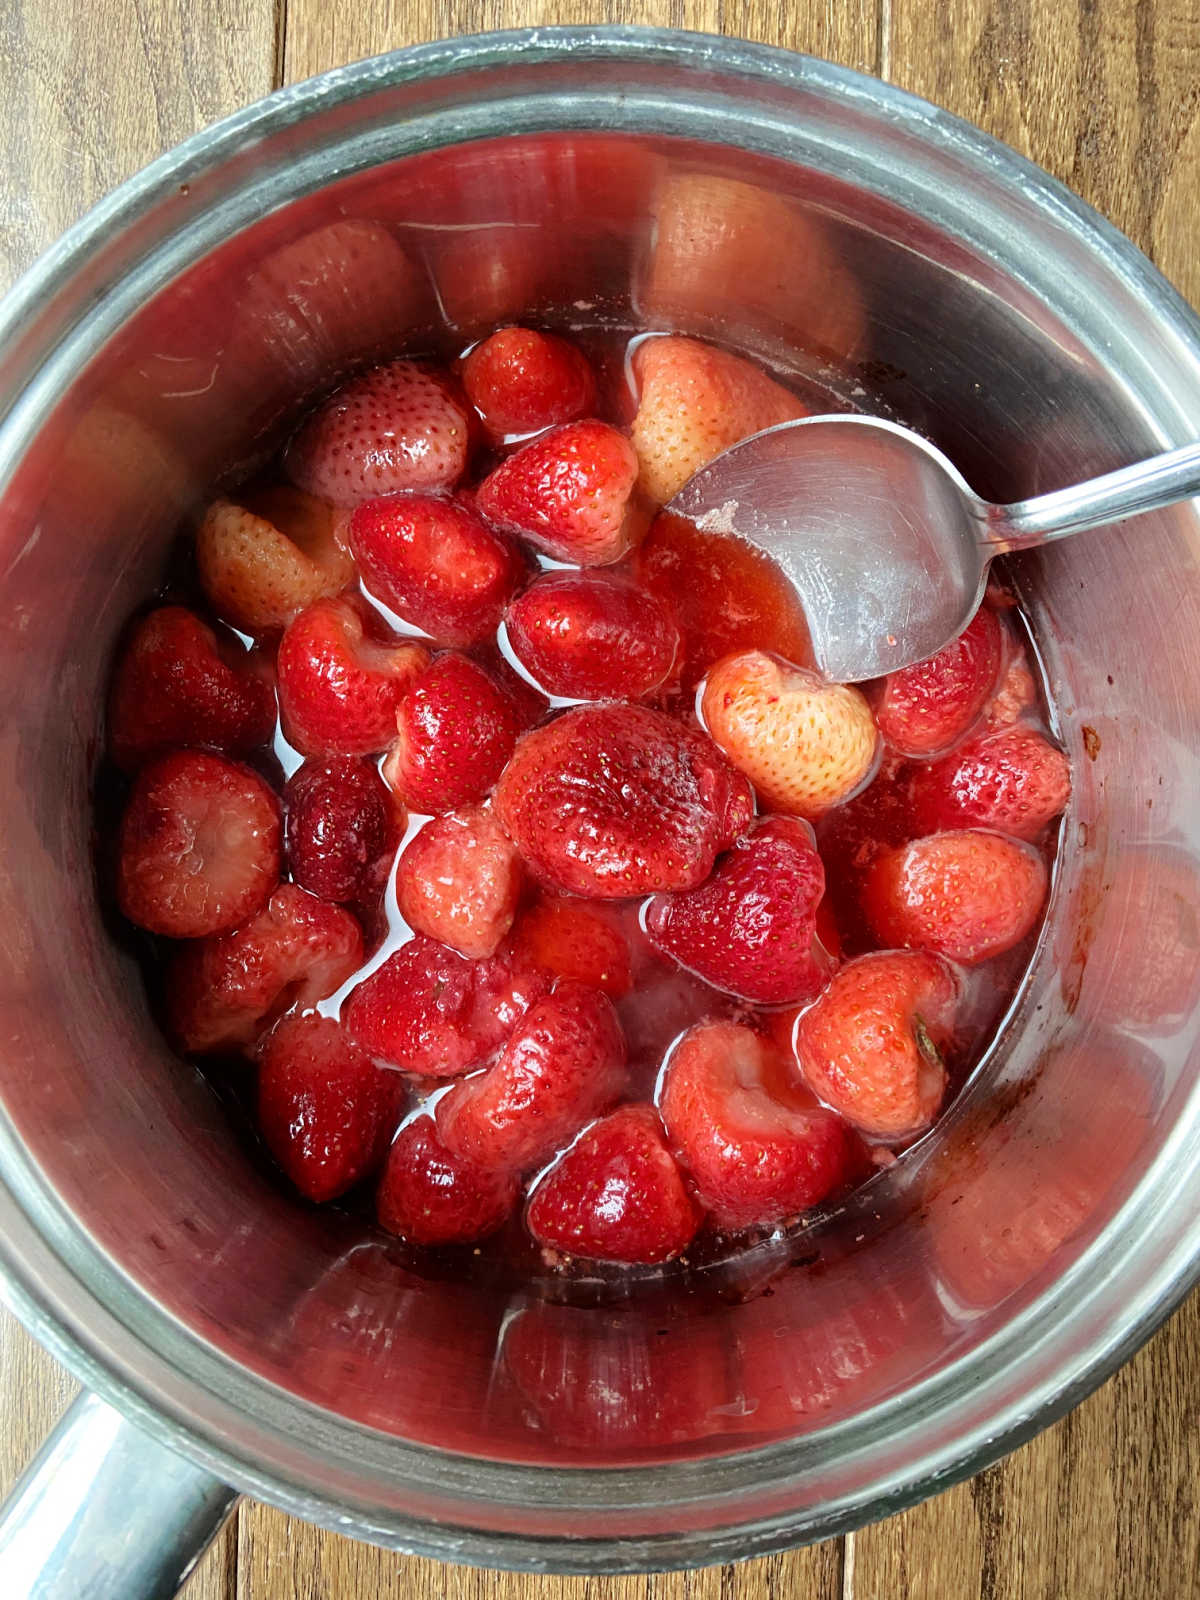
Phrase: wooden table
pixel 1106 94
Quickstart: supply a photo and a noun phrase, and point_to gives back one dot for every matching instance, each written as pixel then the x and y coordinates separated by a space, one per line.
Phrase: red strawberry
pixel 223 992
pixel 432 1197
pixel 725 594
pixel 616 1195
pixel 325 1109
pixel 179 683
pixel 564 1063
pixel 341 680
pixel 751 928
pixel 969 895
pixel 398 426
pixel 620 800
pixel 455 730
pixel 1012 780
pixel 530 705
pixel 758 1146
pixel 570 492
pixel 521 381
pixel 458 881
pixel 872 1045
pixel 694 402
pixel 591 636
pixel 263 561
pixel 199 846
pixel 429 1011
pixel 436 563
pixel 569 938
pixel 343 826
pixel 922 710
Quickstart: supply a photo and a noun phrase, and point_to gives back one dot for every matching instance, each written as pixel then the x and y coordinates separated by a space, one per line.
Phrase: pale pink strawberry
pixel 263 560
pixel 458 881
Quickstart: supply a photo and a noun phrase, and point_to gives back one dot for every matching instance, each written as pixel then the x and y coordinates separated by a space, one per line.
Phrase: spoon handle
pixel 1147 485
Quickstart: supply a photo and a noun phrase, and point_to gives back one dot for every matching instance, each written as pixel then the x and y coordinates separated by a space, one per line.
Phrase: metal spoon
pixel 884 540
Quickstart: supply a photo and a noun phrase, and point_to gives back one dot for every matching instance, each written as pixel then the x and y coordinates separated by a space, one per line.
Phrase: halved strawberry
pixel 325 1109
pixel 564 1063
pixel 569 938
pixel 458 881
pixel 616 1195
pixel 341 680
pixel 757 1145
pixel 343 826
pixel 199 845
pixel 521 381
pixel 570 492
pixel 619 800
pixel 223 992
pixel 431 1197
pixel 1011 779
pixel 455 730
pixel 872 1046
pixel 592 636
pixel 178 683
pixel 261 562
pixel 924 709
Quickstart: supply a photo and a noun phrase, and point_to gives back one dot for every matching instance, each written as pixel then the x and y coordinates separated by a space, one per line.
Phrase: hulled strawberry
pixel 262 561
pixel 521 381
pixel 431 1197
pixel 592 636
pixel 458 881
pixel 923 709
pixel 569 938
pixel 1011 779
pixel 343 827
pixel 455 730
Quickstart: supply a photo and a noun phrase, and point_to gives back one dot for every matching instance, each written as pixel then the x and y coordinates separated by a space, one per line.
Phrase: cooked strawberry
pixel 616 1195
pixel 750 929
pixel 399 426
pixel 564 1063
pixel 571 493
pixel 851 837
pixel 343 826
pixel 872 1046
pixel 431 1197
pixel 341 680
pixel 1011 779
pixel 619 800
pixel 924 709
pixel 725 594
pixel 178 683
pixel 199 846
pixel 436 563
pixel 693 402
pixel 969 895
pixel 223 992
pixel 1015 693
pixel 804 743
pixel 569 938
pixel 429 1011
pixel 592 636
pixel 325 1109
pixel 530 704
pixel 521 381
pixel 757 1145
pixel 263 561
pixel 455 730
pixel 458 881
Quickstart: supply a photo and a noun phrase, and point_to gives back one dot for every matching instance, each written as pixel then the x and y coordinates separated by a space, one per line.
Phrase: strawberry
pixel 570 493
pixel 521 381
pixel 569 938
pixel 455 730
pixel 805 744
pixel 179 683
pixel 343 826
pixel 757 1145
pixel 431 1197
pixel 725 595
pixel 325 1109
pixel 619 800
pixel 872 1045
pixel 969 895
pixel 564 1064
pixel 429 1011
pixel 591 636
pixel 399 426
pixel 751 928
pixel 924 709
pixel 436 563
pixel 341 680
pixel 852 836
pixel 693 402
pixel 1015 694
pixel 1012 780
pixel 458 881
pixel 263 561
pixel 223 992
pixel 199 846
pixel 616 1195
pixel 530 705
